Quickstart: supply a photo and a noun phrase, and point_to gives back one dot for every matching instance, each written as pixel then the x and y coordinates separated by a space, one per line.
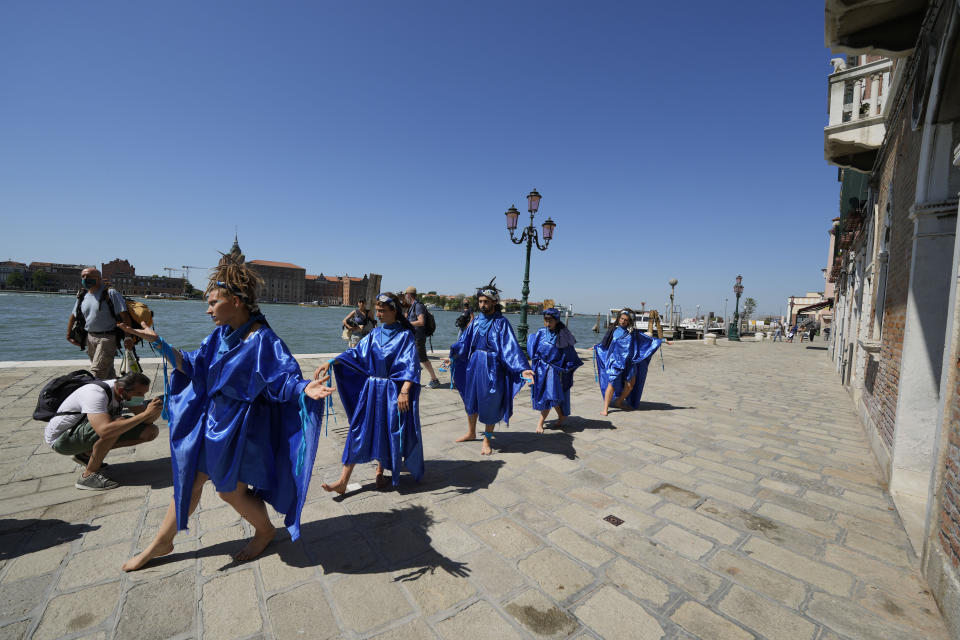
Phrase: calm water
pixel 34 326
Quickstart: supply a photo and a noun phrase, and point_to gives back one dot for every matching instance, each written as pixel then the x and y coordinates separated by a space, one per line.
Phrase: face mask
pixel 134 401
pixel 89 282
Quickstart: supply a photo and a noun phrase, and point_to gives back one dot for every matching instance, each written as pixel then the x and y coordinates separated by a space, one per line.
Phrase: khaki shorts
pixel 82 437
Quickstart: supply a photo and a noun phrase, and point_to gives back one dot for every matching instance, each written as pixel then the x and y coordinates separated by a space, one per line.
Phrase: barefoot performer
pixel 554 361
pixel 622 359
pixel 379 385
pixel 240 415
pixel 489 367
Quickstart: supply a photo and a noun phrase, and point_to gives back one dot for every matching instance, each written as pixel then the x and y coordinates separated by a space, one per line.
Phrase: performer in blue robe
pixel 489 367
pixel 554 360
pixel 240 414
pixel 379 385
pixel 622 359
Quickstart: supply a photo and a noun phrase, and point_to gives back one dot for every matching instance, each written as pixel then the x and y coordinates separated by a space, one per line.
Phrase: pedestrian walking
pixel 553 360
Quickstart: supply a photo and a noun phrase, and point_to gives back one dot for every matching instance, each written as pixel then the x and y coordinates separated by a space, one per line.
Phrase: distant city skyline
pixel 391 137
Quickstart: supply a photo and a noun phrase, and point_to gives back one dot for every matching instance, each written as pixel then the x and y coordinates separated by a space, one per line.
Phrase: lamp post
pixel 673 283
pixel 528 236
pixel 733 333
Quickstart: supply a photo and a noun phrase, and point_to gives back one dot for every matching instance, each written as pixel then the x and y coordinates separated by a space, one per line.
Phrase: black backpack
pixel 429 323
pixel 56 391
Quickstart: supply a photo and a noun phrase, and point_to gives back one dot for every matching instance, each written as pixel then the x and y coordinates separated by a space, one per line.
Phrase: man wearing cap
pixel 489 368
pixel 417 317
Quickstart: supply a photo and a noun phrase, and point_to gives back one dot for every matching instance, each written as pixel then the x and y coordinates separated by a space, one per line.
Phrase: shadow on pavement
pixel 659 406
pixel 458 476
pixel 377 542
pixel 818 348
pixel 576 424
pixel 156 474
pixel 551 441
pixel 39 533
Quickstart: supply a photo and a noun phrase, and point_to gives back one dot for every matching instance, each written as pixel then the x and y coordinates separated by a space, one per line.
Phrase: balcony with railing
pixel 858 107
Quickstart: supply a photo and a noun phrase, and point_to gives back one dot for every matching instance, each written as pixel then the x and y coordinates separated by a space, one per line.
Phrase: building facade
pixel 282 281
pixel 10 267
pixel 896 261
pixel 122 276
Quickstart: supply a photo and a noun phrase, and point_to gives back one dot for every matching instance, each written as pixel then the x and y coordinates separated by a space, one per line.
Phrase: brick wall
pixel 900 170
pixel 950 500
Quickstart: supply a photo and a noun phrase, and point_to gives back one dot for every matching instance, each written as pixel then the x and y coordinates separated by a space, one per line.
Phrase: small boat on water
pixel 314 303
pixel 164 296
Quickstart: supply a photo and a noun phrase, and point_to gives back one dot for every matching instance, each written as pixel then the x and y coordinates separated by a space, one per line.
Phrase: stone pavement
pixel 750 503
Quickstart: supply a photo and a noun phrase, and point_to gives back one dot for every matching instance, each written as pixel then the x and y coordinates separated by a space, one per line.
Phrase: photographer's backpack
pixel 56 391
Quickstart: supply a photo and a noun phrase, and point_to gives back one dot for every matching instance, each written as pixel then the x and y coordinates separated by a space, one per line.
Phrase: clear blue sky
pixel 681 140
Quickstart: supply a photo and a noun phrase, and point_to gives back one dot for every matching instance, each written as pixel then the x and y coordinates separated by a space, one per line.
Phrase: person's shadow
pixel 376 542
pixel 457 476
pixel 157 474
pixel 37 534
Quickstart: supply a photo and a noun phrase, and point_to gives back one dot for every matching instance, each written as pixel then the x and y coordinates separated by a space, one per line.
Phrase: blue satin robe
pixel 487 363
pixel 369 378
pixel 238 419
pixel 552 370
pixel 627 357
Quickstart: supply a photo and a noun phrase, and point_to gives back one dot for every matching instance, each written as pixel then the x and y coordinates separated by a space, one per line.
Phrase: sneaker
pixel 434 384
pixel 83 459
pixel 95 482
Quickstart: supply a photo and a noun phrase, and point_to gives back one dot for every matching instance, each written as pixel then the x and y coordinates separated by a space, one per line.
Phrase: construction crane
pixel 186 270
pixel 169 271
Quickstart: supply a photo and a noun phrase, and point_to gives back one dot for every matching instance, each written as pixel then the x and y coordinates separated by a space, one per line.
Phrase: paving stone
pixel 742 500
pixel 17 598
pixel 700 524
pixel 507 537
pixel 286 563
pixel 558 576
pixel 219 547
pixel 638 582
pixel 843 616
pixel 159 609
pixel 436 589
pixel 539 616
pixel 36 563
pixel 579 547
pixel 778 533
pixel 704 623
pixel 468 509
pixel 827 578
pixel 479 621
pixel 673 568
pixel 492 574
pixel 768 619
pixel 112 528
pixel 89 567
pixel 613 616
pixel 216 518
pixel 416 630
pixel 15 631
pixel 353 594
pixel 799 520
pixel 230 607
pixel 302 612
pixel 759 578
pixel 78 611
pixel 897 556
pixel 682 541
pixel 531 517
pixel 679 495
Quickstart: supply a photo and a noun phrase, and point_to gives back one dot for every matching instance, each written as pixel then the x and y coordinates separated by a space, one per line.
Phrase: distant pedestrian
pixel 417 315
pixel 93 323
pixel 358 323
pixel 778 334
pixel 826 334
pixel 553 361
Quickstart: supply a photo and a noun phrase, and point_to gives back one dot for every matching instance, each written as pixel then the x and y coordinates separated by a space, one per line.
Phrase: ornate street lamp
pixel 528 236
pixel 733 333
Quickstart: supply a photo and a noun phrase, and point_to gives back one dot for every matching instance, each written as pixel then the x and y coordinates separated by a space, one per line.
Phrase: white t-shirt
pixel 90 398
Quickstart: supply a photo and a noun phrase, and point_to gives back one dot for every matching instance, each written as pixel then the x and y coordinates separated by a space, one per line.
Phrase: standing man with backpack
pixel 423 325
pixel 93 323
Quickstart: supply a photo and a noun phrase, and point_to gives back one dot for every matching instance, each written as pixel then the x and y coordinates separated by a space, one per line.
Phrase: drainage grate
pixel 614 520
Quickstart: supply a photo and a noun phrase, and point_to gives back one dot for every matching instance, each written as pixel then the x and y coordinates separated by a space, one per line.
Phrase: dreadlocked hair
pixel 233 276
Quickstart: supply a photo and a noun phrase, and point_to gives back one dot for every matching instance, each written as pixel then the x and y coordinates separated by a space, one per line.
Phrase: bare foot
pixel 145 556
pixel 257 544
pixel 561 420
pixel 540 426
pixel 485 449
pixel 380 480
pixel 604 412
pixel 466 438
pixel 339 486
